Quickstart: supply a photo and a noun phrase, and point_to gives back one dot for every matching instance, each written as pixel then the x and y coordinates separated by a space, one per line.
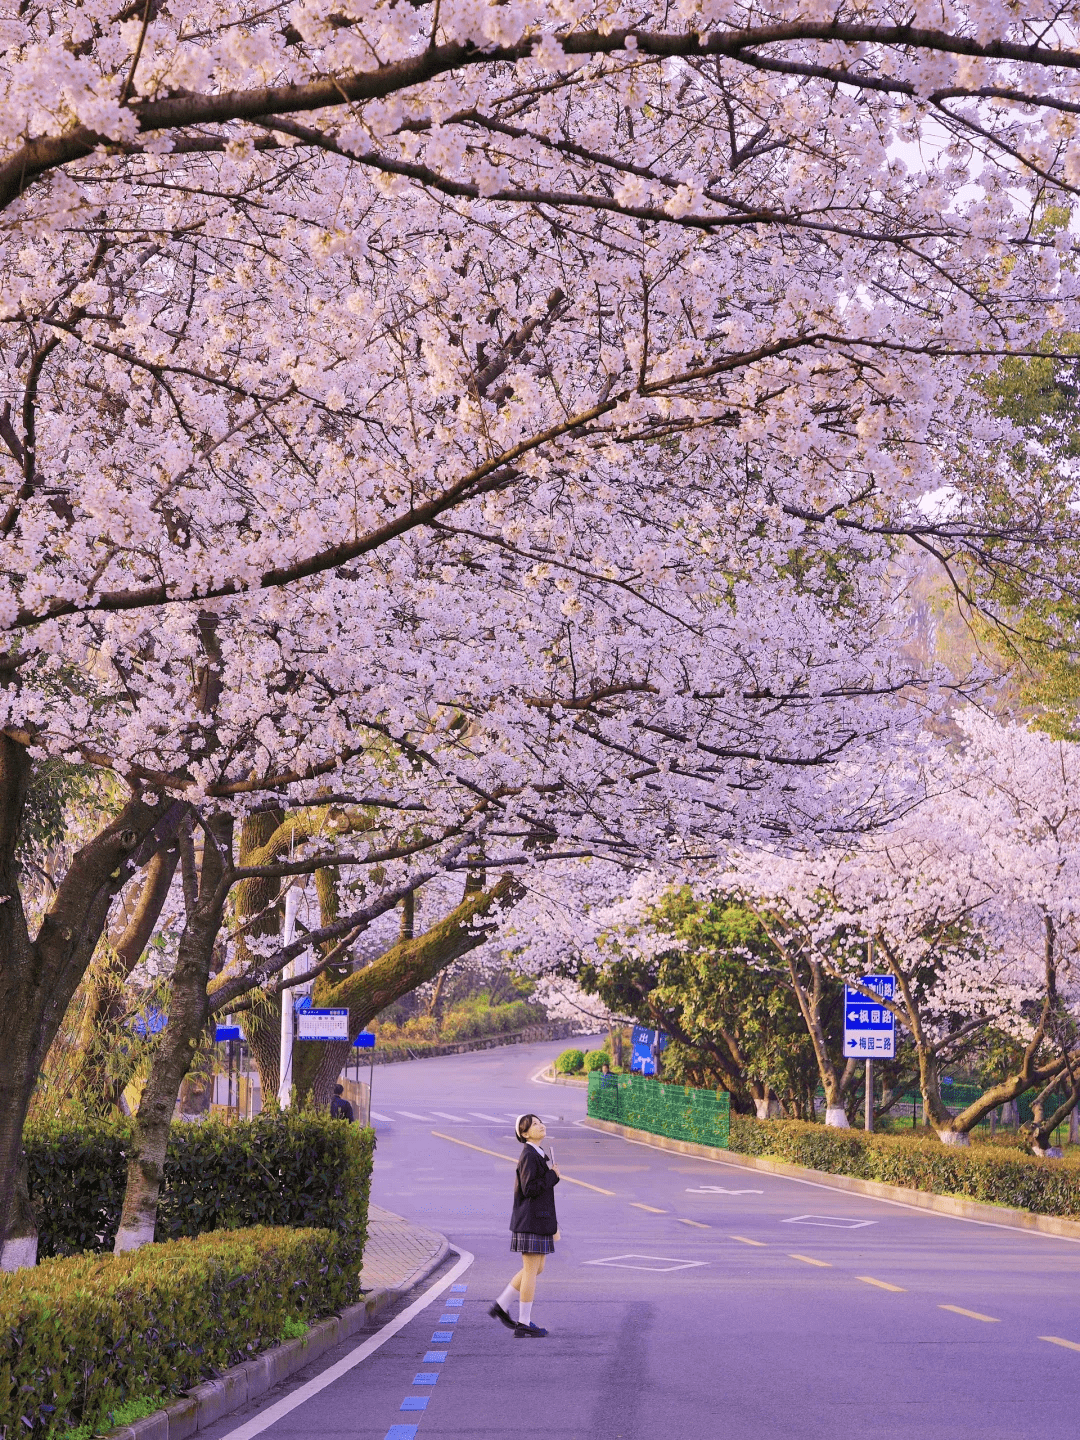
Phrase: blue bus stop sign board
pixel 365 1040
pixel 228 1032
pixel 869 1029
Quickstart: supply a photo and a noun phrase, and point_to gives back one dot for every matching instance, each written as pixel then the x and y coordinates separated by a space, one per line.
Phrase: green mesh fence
pixel 677 1111
pixel 958 1097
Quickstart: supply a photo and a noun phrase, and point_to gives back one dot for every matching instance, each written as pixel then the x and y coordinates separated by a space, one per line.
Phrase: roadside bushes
pixel 596 1060
pixel 83 1335
pixel 570 1062
pixel 990 1173
pixel 288 1168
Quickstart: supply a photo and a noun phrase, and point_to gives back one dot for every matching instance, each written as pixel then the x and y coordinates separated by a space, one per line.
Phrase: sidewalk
pixel 398 1252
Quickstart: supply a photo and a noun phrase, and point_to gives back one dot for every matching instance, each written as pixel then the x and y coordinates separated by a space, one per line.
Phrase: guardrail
pixel 553 1030
pixel 677 1111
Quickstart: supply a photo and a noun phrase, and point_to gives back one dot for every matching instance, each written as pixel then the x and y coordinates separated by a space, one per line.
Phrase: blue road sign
pixel 365 1040
pixel 228 1032
pixel 869 1029
pixel 646 1045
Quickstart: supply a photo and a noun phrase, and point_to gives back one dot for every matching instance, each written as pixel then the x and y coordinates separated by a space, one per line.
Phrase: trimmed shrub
pixel 990 1173
pixel 570 1062
pixel 286 1168
pixel 596 1060
pixel 84 1335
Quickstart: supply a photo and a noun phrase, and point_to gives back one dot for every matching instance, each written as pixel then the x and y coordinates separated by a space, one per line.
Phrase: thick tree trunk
pixel 39 977
pixel 401 969
pixel 189 1009
pixel 262 1024
pixel 106 1001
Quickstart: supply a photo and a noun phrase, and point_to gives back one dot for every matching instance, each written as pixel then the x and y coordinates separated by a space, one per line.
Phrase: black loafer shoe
pixel 528 1331
pixel 498 1313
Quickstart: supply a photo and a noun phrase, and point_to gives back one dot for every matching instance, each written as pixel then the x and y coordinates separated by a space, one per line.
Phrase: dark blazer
pixel 534 1198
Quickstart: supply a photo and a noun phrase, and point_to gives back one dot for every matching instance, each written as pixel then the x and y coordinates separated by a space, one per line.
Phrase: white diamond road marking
pixel 444 1116
pixel 410 1116
pixel 719 1190
pixel 828 1222
pixel 495 1119
pixel 660 1263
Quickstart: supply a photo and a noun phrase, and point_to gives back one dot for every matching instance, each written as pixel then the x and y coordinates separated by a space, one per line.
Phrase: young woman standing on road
pixel 533 1226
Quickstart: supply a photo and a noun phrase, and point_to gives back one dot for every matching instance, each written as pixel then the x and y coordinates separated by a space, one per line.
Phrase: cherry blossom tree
pixel 527 406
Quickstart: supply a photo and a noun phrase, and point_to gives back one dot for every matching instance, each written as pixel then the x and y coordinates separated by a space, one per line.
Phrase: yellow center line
pixel 974 1315
pixel 809 1260
pixel 650 1208
pixel 513 1161
pixel 881 1284
pixel 744 1241
pixel 1057 1340
pixel 696 1223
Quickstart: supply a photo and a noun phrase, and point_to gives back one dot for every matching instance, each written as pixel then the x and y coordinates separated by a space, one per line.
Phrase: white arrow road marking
pixel 719 1190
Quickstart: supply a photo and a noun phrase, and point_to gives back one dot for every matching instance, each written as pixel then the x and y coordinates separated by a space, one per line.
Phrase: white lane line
pixel 495 1119
pixel 274 1413
pixel 411 1116
pixel 384 1119
pixel 444 1116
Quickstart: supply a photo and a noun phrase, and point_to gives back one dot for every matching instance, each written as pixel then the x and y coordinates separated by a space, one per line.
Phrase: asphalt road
pixel 687 1298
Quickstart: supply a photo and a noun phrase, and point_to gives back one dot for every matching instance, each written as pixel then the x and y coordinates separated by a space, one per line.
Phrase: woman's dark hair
pixel 524 1125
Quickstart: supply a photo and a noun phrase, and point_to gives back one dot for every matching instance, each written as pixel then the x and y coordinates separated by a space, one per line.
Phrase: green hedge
pixel 569 1062
pixel 288 1168
pixel 678 1111
pixel 596 1060
pixel 977 1172
pixel 83 1335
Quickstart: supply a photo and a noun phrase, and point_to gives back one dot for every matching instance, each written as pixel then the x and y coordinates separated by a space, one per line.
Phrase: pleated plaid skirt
pixel 525 1244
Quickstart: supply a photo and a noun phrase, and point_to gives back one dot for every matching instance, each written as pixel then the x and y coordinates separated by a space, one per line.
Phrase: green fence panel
pixel 678 1111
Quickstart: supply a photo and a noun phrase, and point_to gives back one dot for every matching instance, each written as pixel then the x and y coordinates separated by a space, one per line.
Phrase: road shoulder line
pixel 954 1207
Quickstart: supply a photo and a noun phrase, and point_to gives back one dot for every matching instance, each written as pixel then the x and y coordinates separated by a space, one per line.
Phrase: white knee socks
pixel 507 1298
pixel 525 1312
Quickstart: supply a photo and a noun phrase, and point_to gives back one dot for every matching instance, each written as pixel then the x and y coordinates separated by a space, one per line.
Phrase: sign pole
pixel 869 1101
pixel 288 1019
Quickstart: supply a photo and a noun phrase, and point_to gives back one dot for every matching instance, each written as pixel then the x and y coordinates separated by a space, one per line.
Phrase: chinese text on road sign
pixel 869 1029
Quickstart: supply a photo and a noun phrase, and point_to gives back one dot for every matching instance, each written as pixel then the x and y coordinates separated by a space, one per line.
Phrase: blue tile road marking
pixel 449 1319
pixel 425 1377
pixel 401 1432
pixel 458 1289
pixel 435 1357
pixel 414 1402
pixel 449 1303
pixel 441 1335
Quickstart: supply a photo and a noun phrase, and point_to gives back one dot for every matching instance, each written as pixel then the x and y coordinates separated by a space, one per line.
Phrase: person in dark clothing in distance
pixel 340 1109
pixel 534 1227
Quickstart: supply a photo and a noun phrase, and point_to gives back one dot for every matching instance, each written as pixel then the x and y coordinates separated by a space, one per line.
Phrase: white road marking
pixel 409 1115
pixel 385 1119
pixel 495 1119
pixel 444 1116
pixel 828 1222
pixel 273 1413
pixel 719 1190
pixel 662 1264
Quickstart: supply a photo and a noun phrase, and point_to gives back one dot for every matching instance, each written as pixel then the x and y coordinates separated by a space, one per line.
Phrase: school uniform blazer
pixel 534 1198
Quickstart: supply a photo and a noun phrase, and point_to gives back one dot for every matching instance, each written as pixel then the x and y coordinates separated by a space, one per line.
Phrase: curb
pixel 956 1206
pixel 543 1078
pixel 205 1404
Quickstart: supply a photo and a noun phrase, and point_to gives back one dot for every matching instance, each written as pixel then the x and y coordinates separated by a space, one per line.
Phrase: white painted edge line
pixel 270 1416
pixel 835 1189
